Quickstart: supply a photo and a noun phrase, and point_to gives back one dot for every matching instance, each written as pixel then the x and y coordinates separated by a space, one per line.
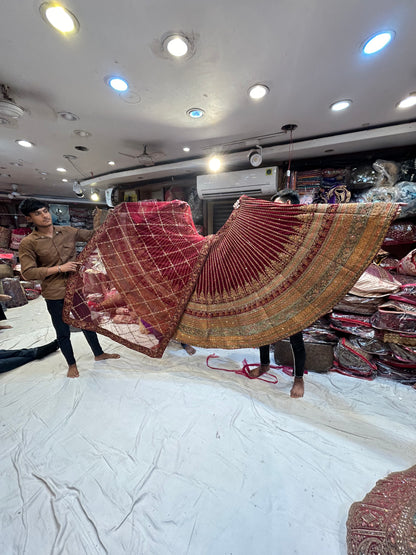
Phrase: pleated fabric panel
pixel 273 269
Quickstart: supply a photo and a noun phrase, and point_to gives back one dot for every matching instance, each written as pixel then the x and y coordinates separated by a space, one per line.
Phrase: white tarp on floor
pixel 155 457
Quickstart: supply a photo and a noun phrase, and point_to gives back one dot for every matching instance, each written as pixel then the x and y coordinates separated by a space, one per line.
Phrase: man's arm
pixel 31 271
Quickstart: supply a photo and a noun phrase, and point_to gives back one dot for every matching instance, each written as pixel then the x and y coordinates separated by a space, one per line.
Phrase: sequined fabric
pixel 384 522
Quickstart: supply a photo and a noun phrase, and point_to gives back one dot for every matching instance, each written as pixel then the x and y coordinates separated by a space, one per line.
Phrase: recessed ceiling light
pixel 61 170
pixel 258 91
pixel 43 173
pixel 195 113
pixel 176 45
pixel 68 116
pixel 82 133
pixel 186 149
pixel 59 17
pixel 111 163
pixel 408 102
pixel 377 42
pixel 65 180
pixel 117 83
pixel 340 105
pixel 214 163
pixel 23 142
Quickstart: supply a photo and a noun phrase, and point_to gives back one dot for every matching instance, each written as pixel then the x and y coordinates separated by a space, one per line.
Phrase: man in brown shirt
pixel 48 254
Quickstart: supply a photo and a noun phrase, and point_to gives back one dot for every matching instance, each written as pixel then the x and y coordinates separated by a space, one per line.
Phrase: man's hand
pixel 70 266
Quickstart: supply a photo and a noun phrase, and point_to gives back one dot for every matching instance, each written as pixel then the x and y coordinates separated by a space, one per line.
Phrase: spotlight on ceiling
pixel 59 17
pixel 176 45
pixel 340 105
pixel 214 163
pixel 258 91
pixel 117 83
pixel 24 143
pixel 408 102
pixel 255 156
pixel 377 42
pixel 95 195
pixel 195 113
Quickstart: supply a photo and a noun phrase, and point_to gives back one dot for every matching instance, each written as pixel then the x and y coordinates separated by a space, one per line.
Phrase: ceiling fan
pixel 146 159
pixel 8 107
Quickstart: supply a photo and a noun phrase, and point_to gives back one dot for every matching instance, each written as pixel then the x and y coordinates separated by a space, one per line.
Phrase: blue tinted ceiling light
pixel 195 113
pixel 118 84
pixel 377 42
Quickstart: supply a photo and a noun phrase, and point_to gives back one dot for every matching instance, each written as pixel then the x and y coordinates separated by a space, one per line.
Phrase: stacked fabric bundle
pixel 377 326
pixel 307 181
pixel 81 217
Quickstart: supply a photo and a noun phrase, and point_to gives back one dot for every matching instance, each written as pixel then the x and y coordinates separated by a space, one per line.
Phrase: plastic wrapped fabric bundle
pixel 388 172
pixel 407 264
pixel 395 316
pixel 269 272
pixel 403 353
pixel 403 372
pixel 375 281
pixel 370 345
pixel 362 177
pixel 353 304
pixel 354 324
pixel 379 194
pixel 400 232
pixel 320 332
pixel 351 360
pixel 383 522
pixel 13 287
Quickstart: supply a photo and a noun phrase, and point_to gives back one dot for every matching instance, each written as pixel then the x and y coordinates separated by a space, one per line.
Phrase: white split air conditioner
pixel 254 182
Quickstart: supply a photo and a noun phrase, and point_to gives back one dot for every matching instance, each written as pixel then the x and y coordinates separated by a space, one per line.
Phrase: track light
pixel 78 190
pixel 109 197
pixel 255 156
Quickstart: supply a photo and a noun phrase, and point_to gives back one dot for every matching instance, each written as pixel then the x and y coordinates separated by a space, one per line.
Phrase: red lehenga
pixel 147 276
pixel 384 522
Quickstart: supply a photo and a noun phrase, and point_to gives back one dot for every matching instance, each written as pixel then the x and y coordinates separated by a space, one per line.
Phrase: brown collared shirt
pixel 38 252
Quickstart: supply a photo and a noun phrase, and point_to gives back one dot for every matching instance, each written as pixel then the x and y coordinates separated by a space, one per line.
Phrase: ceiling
pixel 307 52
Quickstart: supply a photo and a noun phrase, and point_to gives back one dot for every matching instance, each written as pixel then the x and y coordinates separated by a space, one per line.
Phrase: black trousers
pixel 13 358
pixel 298 350
pixel 63 333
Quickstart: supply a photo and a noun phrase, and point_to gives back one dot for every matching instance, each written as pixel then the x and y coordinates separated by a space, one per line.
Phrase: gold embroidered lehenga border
pixel 384 522
pixel 272 269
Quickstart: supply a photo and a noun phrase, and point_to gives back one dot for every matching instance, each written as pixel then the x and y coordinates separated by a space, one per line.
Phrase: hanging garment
pixel 272 269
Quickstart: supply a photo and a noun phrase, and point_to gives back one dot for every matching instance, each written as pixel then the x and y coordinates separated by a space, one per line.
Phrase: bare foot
pixel 105 356
pixel 189 349
pixel 298 388
pixel 5 327
pixel 73 371
pixel 259 370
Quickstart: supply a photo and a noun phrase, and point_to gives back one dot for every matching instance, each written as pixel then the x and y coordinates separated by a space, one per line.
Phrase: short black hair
pixel 31 205
pixel 285 195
